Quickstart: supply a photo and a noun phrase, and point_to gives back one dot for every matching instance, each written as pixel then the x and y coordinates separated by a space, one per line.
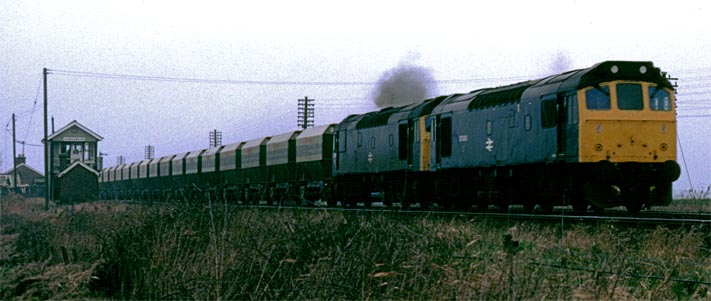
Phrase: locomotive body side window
pixel 527 122
pixel 659 99
pixel 548 114
pixel 598 98
pixel 629 97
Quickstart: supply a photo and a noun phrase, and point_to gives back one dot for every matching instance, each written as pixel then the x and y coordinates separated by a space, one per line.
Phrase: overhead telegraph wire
pixel 260 82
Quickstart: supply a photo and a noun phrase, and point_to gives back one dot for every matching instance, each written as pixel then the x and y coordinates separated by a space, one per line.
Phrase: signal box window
pixel 598 98
pixel 629 97
pixel 659 99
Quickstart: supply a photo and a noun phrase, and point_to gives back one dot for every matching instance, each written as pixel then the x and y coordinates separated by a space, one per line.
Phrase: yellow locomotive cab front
pixel 624 121
pixel 627 139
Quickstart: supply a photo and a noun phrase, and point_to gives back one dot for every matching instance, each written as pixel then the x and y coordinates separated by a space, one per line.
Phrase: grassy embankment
pixel 196 252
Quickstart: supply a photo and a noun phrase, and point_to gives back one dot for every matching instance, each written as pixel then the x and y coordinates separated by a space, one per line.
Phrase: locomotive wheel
pixel 482 205
pixel 462 204
pixel 331 202
pixel 445 203
pixel 637 198
pixel 388 199
pixel 634 207
pixel 547 206
pixel 529 206
pixel 579 205
pixel 596 209
pixel 368 203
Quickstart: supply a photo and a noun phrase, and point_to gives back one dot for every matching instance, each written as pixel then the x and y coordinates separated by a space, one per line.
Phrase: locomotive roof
pixel 616 70
pixel 375 119
pixel 428 105
pixel 500 96
pixel 491 97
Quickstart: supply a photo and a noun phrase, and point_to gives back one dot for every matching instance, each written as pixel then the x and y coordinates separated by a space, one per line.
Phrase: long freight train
pixel 595 138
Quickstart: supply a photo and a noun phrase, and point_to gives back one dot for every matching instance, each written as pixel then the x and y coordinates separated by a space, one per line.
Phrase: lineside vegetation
pixel 211 251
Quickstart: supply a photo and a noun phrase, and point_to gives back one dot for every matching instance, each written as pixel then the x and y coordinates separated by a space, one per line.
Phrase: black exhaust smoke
pixel 403 85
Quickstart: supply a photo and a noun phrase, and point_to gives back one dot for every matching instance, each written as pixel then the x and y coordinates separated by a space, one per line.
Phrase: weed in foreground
pixel 212 251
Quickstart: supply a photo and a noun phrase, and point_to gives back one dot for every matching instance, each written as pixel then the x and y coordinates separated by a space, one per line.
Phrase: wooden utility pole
pixel 305 113
pixel 14 154
pixel 46 146
pixel 215 138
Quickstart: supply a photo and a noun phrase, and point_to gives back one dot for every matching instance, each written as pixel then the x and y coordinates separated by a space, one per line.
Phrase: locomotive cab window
pixel 629 97
pixel 598 98
pixel 571 101
pixel 659 99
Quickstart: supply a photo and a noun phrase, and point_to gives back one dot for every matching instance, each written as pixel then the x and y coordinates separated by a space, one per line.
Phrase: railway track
pixel 559 215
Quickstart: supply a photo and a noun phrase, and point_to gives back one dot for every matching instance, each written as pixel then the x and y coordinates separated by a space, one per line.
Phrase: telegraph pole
pixel 46 146
pixel 215 138
pixel 14 154
pixel 305 118
pixel 670 79
pixel 149 151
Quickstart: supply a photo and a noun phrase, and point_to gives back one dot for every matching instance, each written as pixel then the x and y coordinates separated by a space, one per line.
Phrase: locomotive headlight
pixel 614 69
pixel 663 146
pixel 643 69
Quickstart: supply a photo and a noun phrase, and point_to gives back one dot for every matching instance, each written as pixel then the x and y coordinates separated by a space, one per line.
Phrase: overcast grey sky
pixel 346 46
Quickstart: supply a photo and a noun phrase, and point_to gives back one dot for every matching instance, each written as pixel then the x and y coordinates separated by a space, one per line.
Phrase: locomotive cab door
pixel 406 141
pixel 419 149
pixel 571 124
pixel 424 134
pixel 553 116
pixel 562 120
pixel 559 110
pixel 340 147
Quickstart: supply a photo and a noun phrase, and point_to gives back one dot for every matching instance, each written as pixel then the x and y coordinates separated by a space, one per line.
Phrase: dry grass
pixel 692 200
pixel 215 252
